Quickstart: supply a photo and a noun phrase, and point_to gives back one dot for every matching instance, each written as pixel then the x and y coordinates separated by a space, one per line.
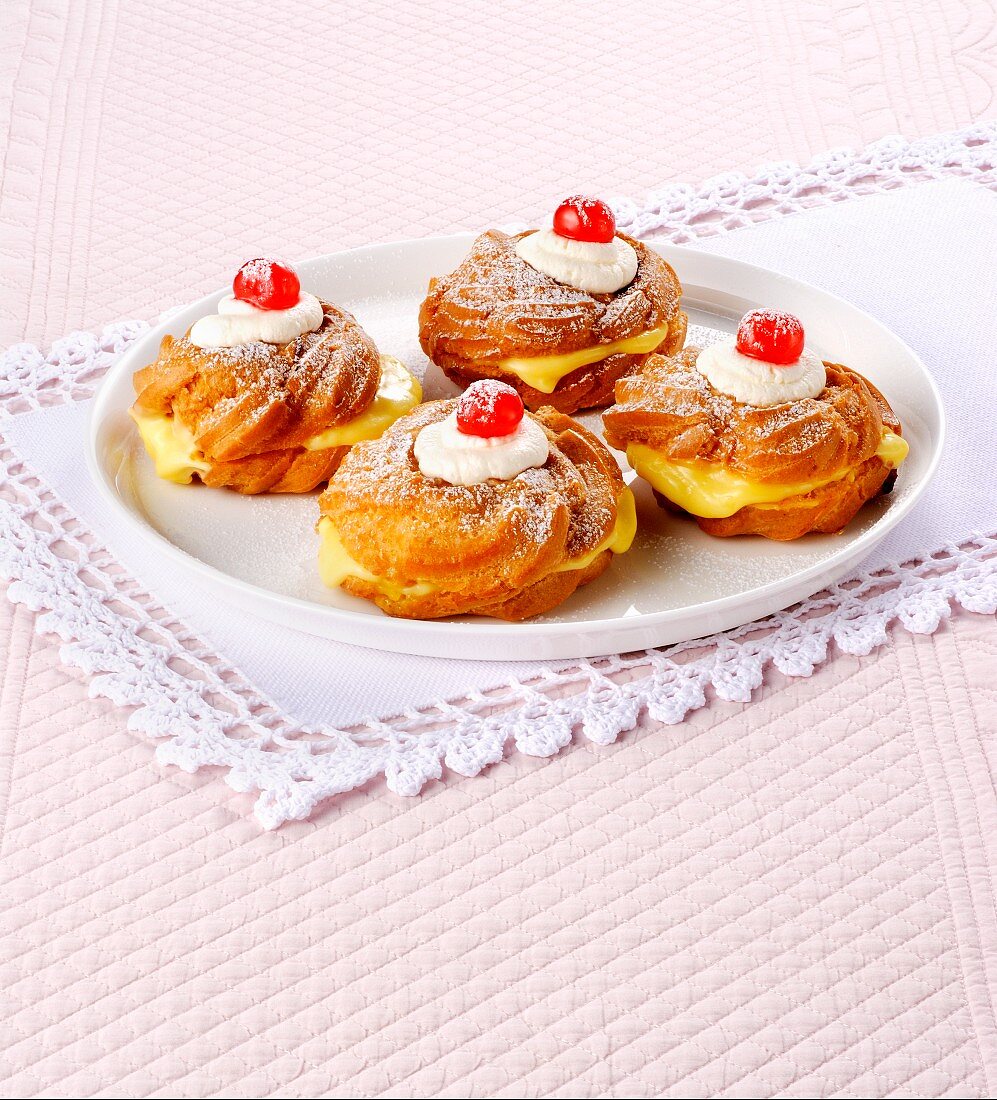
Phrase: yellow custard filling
pixel 175 454
pixel 544 372
pixel 713 492
pixel 398 393
pixel 171 446
pixel 619 540
pixel 335 563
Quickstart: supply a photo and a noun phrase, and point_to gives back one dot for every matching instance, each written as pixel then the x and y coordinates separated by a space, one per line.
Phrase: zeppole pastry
pixel 758 435
pixel 268 394
pixel 560 314
pixel 471 506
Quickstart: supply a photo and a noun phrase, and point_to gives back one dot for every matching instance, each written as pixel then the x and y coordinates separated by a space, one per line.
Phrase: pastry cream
pixel 335 562
pixel 709 490
pixel 545 371
pixel 398 393
pixel 619 540
pixel 176 456
pixel 171 445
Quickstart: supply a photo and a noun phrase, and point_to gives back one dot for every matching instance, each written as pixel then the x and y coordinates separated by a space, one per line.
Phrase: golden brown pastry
pixel 438 518
pixel 558 316
pixel 267 398
pixel 748 445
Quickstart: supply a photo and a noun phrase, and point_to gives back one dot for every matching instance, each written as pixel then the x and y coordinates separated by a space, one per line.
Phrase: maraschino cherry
pixel 770 336
pixel 583 219
pixel 489 408
pixel 267 284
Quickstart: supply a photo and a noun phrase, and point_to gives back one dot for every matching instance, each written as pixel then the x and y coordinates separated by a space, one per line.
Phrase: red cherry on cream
pixel 770 336
pixel 267 284
pixel 489 408
pixel 584 219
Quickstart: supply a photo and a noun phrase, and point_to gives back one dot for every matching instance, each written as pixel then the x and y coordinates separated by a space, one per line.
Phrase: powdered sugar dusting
pixel 260 271
pixel 670 406
pixel 496 305
pixel 783 324
pixel 259 397
pixel 671 565
pixel 482 540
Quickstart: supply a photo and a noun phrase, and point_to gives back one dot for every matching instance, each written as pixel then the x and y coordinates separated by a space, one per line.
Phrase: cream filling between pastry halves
pixel 336 564
pixel 176 456
pixel 711 491
pixel 543 372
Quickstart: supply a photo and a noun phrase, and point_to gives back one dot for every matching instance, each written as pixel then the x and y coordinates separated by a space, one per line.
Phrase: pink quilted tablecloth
pixel 532 932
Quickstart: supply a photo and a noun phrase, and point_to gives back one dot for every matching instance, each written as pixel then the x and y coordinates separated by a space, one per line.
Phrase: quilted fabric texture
pixel 798 907
pixel 337 124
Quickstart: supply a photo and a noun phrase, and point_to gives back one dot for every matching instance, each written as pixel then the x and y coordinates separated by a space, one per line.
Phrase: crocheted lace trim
pixel 204 713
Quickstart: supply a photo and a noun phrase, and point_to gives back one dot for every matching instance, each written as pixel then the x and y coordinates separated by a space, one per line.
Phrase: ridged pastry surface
pixel 669 406
pixel 494 306
pixel 251 408
pixel 494 548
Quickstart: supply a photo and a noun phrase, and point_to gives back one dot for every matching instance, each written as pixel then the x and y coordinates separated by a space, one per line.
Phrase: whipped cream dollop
pixel 444 451
pixel 591 266
pixel 756 383
pixel 238 322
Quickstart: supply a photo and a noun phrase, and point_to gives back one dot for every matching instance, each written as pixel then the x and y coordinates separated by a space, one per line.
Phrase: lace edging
pixel 733 200
pixel 202 711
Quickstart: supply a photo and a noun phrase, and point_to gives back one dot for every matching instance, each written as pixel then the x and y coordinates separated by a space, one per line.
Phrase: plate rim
pixel 479 626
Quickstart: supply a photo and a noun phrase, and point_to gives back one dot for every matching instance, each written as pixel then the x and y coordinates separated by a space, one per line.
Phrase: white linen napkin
pixel 923 260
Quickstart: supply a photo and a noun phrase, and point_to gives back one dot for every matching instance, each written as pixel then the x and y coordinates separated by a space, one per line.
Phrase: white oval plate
pixel 675 584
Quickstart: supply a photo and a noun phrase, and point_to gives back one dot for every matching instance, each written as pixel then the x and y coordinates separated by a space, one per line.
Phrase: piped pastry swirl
pixel 498 316
pixel 268 393
pixel 421 547
pixel 781 470
pixel 249 417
